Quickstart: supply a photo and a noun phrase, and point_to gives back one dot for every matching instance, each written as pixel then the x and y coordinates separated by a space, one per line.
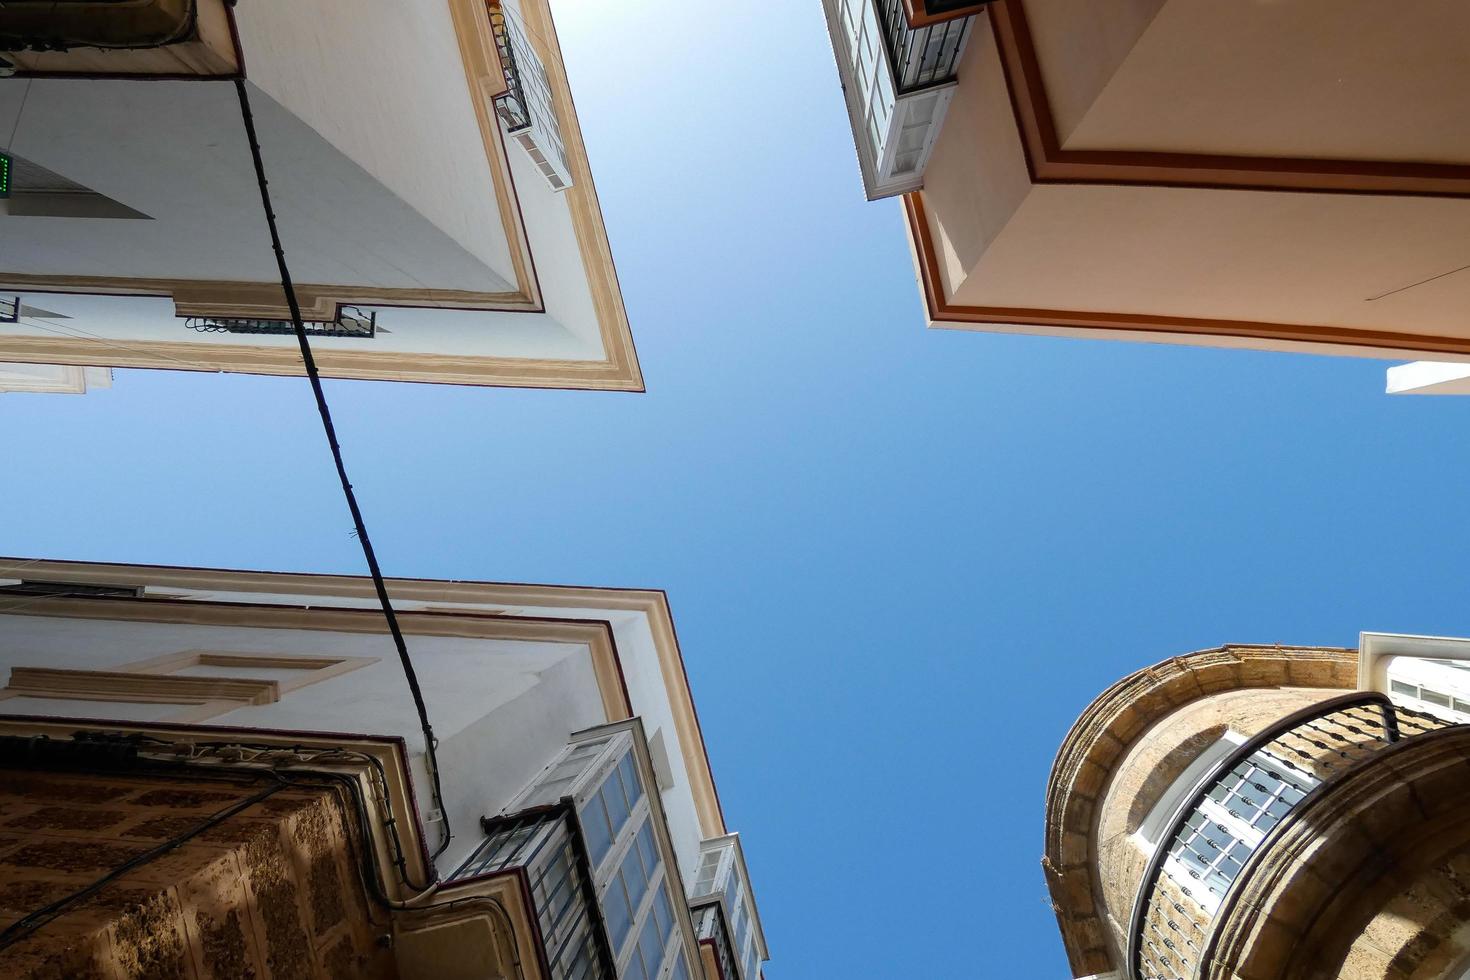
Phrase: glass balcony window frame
pixel 729 887
pixel 896 100
pixel 592 761
pixel 1341 732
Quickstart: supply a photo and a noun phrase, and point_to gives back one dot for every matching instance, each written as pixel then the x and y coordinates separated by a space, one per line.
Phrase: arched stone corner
pixel 1108 727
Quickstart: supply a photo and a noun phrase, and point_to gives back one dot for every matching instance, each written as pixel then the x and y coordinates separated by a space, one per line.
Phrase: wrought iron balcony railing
pixel 543 844
pixel 350 322
pixel 921 56
pixel 1213 836
pixel 527 108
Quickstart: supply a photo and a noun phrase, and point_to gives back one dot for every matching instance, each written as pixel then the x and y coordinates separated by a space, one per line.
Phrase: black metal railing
pixel 512 106
pixel 921 56
pixel 545 845
pixel 710 926
pixel 349 322
pixel 1199 858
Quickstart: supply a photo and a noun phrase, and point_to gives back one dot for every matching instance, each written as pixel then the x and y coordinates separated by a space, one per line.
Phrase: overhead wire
pixel 360 525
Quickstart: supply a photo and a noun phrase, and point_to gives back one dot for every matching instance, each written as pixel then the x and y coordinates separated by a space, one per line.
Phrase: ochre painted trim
pixel 519 372
pixel 1050 163
pixel 941 311
pixel 586 211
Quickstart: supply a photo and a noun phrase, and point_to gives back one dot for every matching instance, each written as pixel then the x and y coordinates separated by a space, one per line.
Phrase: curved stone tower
pixel 1261 812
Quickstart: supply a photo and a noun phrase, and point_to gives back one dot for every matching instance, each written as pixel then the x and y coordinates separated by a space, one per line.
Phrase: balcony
pixel 898 72
pixel 526 108
pixel 592 844
pixel 543 846
pixel 1234 814
pixel 714 936
pixel 723 904
pixel 349 322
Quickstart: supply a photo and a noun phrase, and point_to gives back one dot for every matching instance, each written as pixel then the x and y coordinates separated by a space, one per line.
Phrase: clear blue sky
pixel 901 561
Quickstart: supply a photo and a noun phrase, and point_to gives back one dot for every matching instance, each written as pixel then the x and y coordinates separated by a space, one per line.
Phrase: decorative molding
pixel 1144 325
pixel 518 372
pixel 1050 163
pixel 121 685
pixel 1047 162
pixel 157 681
pixel 652 604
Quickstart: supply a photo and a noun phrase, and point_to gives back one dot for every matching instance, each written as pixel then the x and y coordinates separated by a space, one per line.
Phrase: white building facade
pixel 568 751
pixel 424 161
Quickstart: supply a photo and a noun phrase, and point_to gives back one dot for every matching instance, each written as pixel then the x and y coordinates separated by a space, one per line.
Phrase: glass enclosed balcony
pixel 593 845
pixel 725 911
pixel 898 73
pixel 1233 814
pixel 526 108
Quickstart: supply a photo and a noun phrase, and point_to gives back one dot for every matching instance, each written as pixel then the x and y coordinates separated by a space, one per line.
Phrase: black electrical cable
pixel 23 927
pixel 331 433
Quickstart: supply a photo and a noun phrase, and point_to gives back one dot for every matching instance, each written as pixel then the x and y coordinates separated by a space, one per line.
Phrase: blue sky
pixel 901 561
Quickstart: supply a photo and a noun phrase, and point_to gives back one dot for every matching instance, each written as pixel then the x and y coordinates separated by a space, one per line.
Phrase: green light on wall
pixel 5 169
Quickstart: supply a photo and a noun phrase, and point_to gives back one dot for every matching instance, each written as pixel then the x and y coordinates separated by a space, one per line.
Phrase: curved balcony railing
pixel 1213 835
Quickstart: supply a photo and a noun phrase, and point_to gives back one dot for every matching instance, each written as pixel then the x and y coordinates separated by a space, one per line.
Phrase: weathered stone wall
pixel 1094 752
pixel 1148 768
pixel 272 893
pixel 1368 881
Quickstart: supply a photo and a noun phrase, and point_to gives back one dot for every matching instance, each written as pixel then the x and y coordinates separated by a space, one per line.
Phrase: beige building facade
pixel 1281 176
pixel 1255 812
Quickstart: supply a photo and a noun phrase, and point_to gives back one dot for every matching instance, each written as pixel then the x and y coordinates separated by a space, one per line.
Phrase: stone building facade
pixel 269 891
pixel 1255 812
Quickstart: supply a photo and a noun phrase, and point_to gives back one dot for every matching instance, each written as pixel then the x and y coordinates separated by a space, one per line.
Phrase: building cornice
pixel 1047 162
pixel 652 604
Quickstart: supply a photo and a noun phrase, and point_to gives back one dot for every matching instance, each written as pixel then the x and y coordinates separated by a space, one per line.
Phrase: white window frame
pixel 1237 829
pixel 616 742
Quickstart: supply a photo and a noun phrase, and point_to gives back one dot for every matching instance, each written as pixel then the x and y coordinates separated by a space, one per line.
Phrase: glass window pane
pixel 1399 687
pixel 617 806
pixel 634 877
pixel 595 830
pixel 681 969
pixel 663 912
pixel 1434 697
pixel 647 849
pixel 619 917
pixel 629 773
pixel 651 946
